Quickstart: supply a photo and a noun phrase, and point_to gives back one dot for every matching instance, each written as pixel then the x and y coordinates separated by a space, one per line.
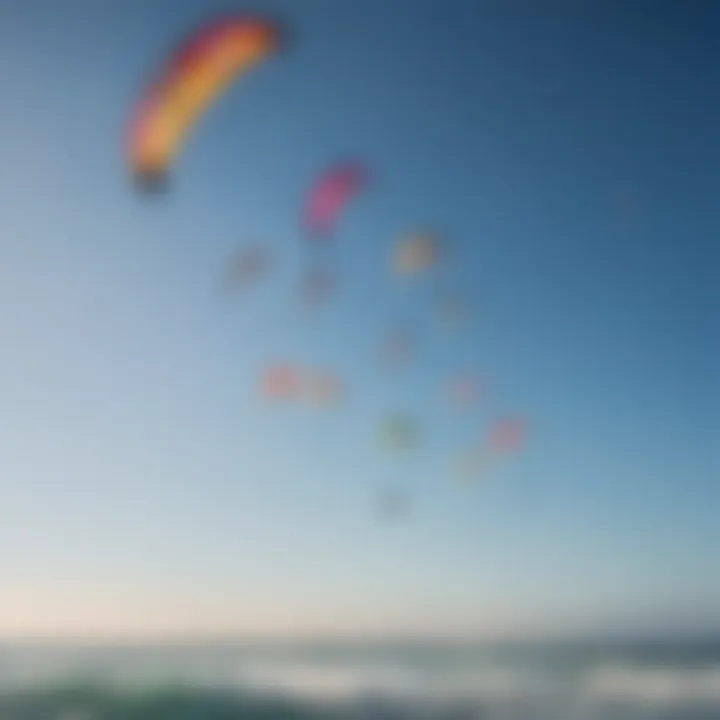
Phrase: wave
pixel 120 684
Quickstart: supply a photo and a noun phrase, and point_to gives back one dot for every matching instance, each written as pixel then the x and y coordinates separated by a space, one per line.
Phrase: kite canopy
pixel 463 390
pixel 282 381
pixel 194 76
pixel 317 285
pixel 507 435
pixel 453 310
pixel 330 195
pixel 393 502
pixel 322 389
pixel 416 254
pixel 473 464
pixel 247 266
pixel 400 433
pixel 398 347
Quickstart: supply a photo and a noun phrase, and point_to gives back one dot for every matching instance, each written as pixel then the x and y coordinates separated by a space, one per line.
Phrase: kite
pixel 330 195
pixel 416 254
pixel 194 76
pixel 507 436
pixel 398 347
pixel 393 502
pixel 400 433
pixel 463 390
pixel 317 285
pixel 453 310
pixel 281 382
pixel 473 464
pixel 322 389
pixel 247 266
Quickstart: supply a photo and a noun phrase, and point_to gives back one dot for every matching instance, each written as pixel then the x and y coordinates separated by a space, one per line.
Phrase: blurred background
pixel 359 359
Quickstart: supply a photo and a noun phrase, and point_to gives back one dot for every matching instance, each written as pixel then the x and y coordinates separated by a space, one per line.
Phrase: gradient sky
pixel 571 153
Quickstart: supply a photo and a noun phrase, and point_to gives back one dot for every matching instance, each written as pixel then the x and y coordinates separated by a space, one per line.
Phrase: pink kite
pixel 317 285
pixel 281 381
pixel 507 435
pixel 463 390
pixel 330 195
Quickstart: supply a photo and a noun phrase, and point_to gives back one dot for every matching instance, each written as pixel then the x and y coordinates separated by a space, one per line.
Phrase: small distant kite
pixel 282 381
pixel 317 286
pixel 330 195
pixel 194 76
pixel 398 347
pixel 473 464
pixel 463 391
pixel 507 435
pixel 246 267
pixel 416 254
pixel 400 433
pixel 322 389
pixel 453 310
pixel 393 503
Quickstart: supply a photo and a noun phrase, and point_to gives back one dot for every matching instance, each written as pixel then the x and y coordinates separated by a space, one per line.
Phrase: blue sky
pixel 143 487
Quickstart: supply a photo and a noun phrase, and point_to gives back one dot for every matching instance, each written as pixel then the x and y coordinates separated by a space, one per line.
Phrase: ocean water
pixel 649 680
